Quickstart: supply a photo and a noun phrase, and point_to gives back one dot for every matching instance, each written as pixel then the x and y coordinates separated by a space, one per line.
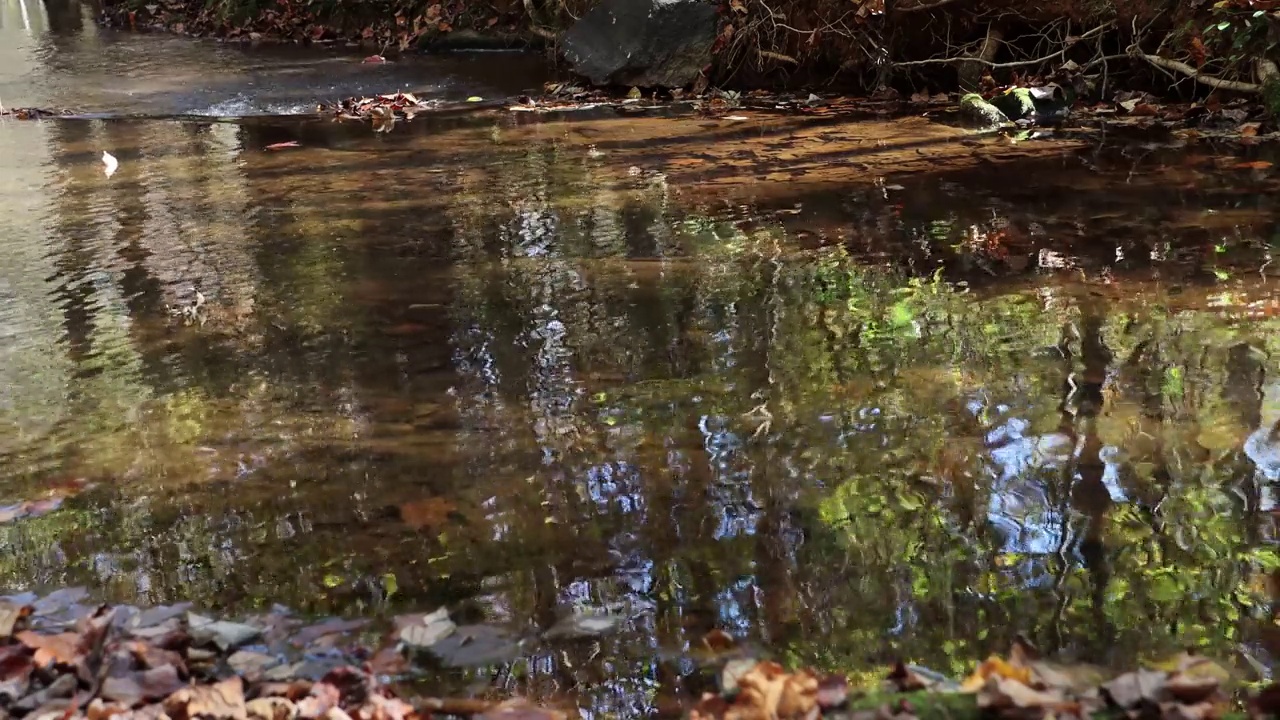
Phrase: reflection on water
pixel 517 377
pixel 53 56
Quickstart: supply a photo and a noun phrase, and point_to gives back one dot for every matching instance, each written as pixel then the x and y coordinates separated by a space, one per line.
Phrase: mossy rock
pixel 1015 103
pixel 980 113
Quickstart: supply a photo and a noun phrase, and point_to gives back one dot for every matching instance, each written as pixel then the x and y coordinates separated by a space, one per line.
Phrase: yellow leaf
pixel 995 666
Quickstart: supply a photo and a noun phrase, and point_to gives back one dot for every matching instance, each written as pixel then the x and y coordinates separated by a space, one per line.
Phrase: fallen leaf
pixel 718 641
pixel 1253 165
pixel 61 649
pixel 1133 689
pixel 271 708
pixel 423 631
pixel 428 513
pixel 374 60
pixel 995 666
pixel 283 145
pixel 135 688
pixel 1001 693
pixel 332 626
pixel 475 98
pixel 110 163
pixel 220 701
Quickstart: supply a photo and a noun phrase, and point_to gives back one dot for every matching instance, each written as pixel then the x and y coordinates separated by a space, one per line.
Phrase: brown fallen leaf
pixel 779 694
pixel 833 691
pixel 283 145
pixel 431 512
pixel 220 701
pixel 718 641
pixel 1253 165
pixel 60 649
pixel 139 687
pixel 322 698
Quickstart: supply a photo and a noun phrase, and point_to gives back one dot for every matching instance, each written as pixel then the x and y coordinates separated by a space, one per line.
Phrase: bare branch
pixel 1185 69
pixel 926 6
pixel 1013 64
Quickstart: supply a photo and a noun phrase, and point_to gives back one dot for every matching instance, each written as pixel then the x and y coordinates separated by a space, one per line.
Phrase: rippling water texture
pixel 845 389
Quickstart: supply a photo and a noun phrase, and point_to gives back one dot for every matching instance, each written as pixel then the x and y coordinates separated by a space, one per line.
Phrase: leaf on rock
pixel 422 631
pixel 220 701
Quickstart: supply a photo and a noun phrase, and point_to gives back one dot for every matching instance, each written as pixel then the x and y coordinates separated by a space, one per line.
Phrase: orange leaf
pixel 1254 165
pixel 62 649
pixel 995 667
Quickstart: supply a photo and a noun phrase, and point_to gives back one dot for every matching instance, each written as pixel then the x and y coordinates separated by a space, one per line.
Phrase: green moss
pixel 981 113
pixel 1015 103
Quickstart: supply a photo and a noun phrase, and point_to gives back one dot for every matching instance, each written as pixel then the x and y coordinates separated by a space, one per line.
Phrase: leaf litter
pixel 60 657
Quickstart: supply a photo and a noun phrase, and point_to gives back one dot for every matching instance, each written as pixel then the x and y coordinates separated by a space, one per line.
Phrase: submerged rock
pixel 643 43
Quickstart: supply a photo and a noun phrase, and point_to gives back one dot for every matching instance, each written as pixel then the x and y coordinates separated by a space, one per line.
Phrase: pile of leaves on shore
pixel 1019 687
pixel 61 658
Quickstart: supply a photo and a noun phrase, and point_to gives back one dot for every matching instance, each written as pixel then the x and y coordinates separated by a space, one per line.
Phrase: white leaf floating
pixel 110 162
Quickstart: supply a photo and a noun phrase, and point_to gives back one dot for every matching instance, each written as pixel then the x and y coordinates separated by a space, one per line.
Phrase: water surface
pixel 846 404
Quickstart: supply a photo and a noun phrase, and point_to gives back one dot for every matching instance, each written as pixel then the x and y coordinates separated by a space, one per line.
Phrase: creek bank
pixel 745 44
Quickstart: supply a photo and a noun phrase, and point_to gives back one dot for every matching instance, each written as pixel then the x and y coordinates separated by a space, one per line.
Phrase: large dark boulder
pixel 642 43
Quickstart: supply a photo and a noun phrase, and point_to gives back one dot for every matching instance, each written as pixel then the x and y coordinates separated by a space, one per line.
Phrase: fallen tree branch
pixel 926 6
pixel 1211 81
pixel 770 55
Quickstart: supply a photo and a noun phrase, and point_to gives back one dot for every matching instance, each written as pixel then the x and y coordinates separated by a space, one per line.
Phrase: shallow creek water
pixel 845 389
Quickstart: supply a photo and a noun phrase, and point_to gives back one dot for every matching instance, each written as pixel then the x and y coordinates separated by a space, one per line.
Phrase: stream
pixel 848 389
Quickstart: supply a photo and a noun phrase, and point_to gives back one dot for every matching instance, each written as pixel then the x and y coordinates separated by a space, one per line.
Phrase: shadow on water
pixel 910 406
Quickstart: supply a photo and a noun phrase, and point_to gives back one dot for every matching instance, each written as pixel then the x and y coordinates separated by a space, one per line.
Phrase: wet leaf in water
pixel 283 145
pixel 429 513
pixel 583 625
pixel 422 631
pixel 109 163
pixel 475 646
pixel 374 60
pixel 718 641
pixel 332 626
